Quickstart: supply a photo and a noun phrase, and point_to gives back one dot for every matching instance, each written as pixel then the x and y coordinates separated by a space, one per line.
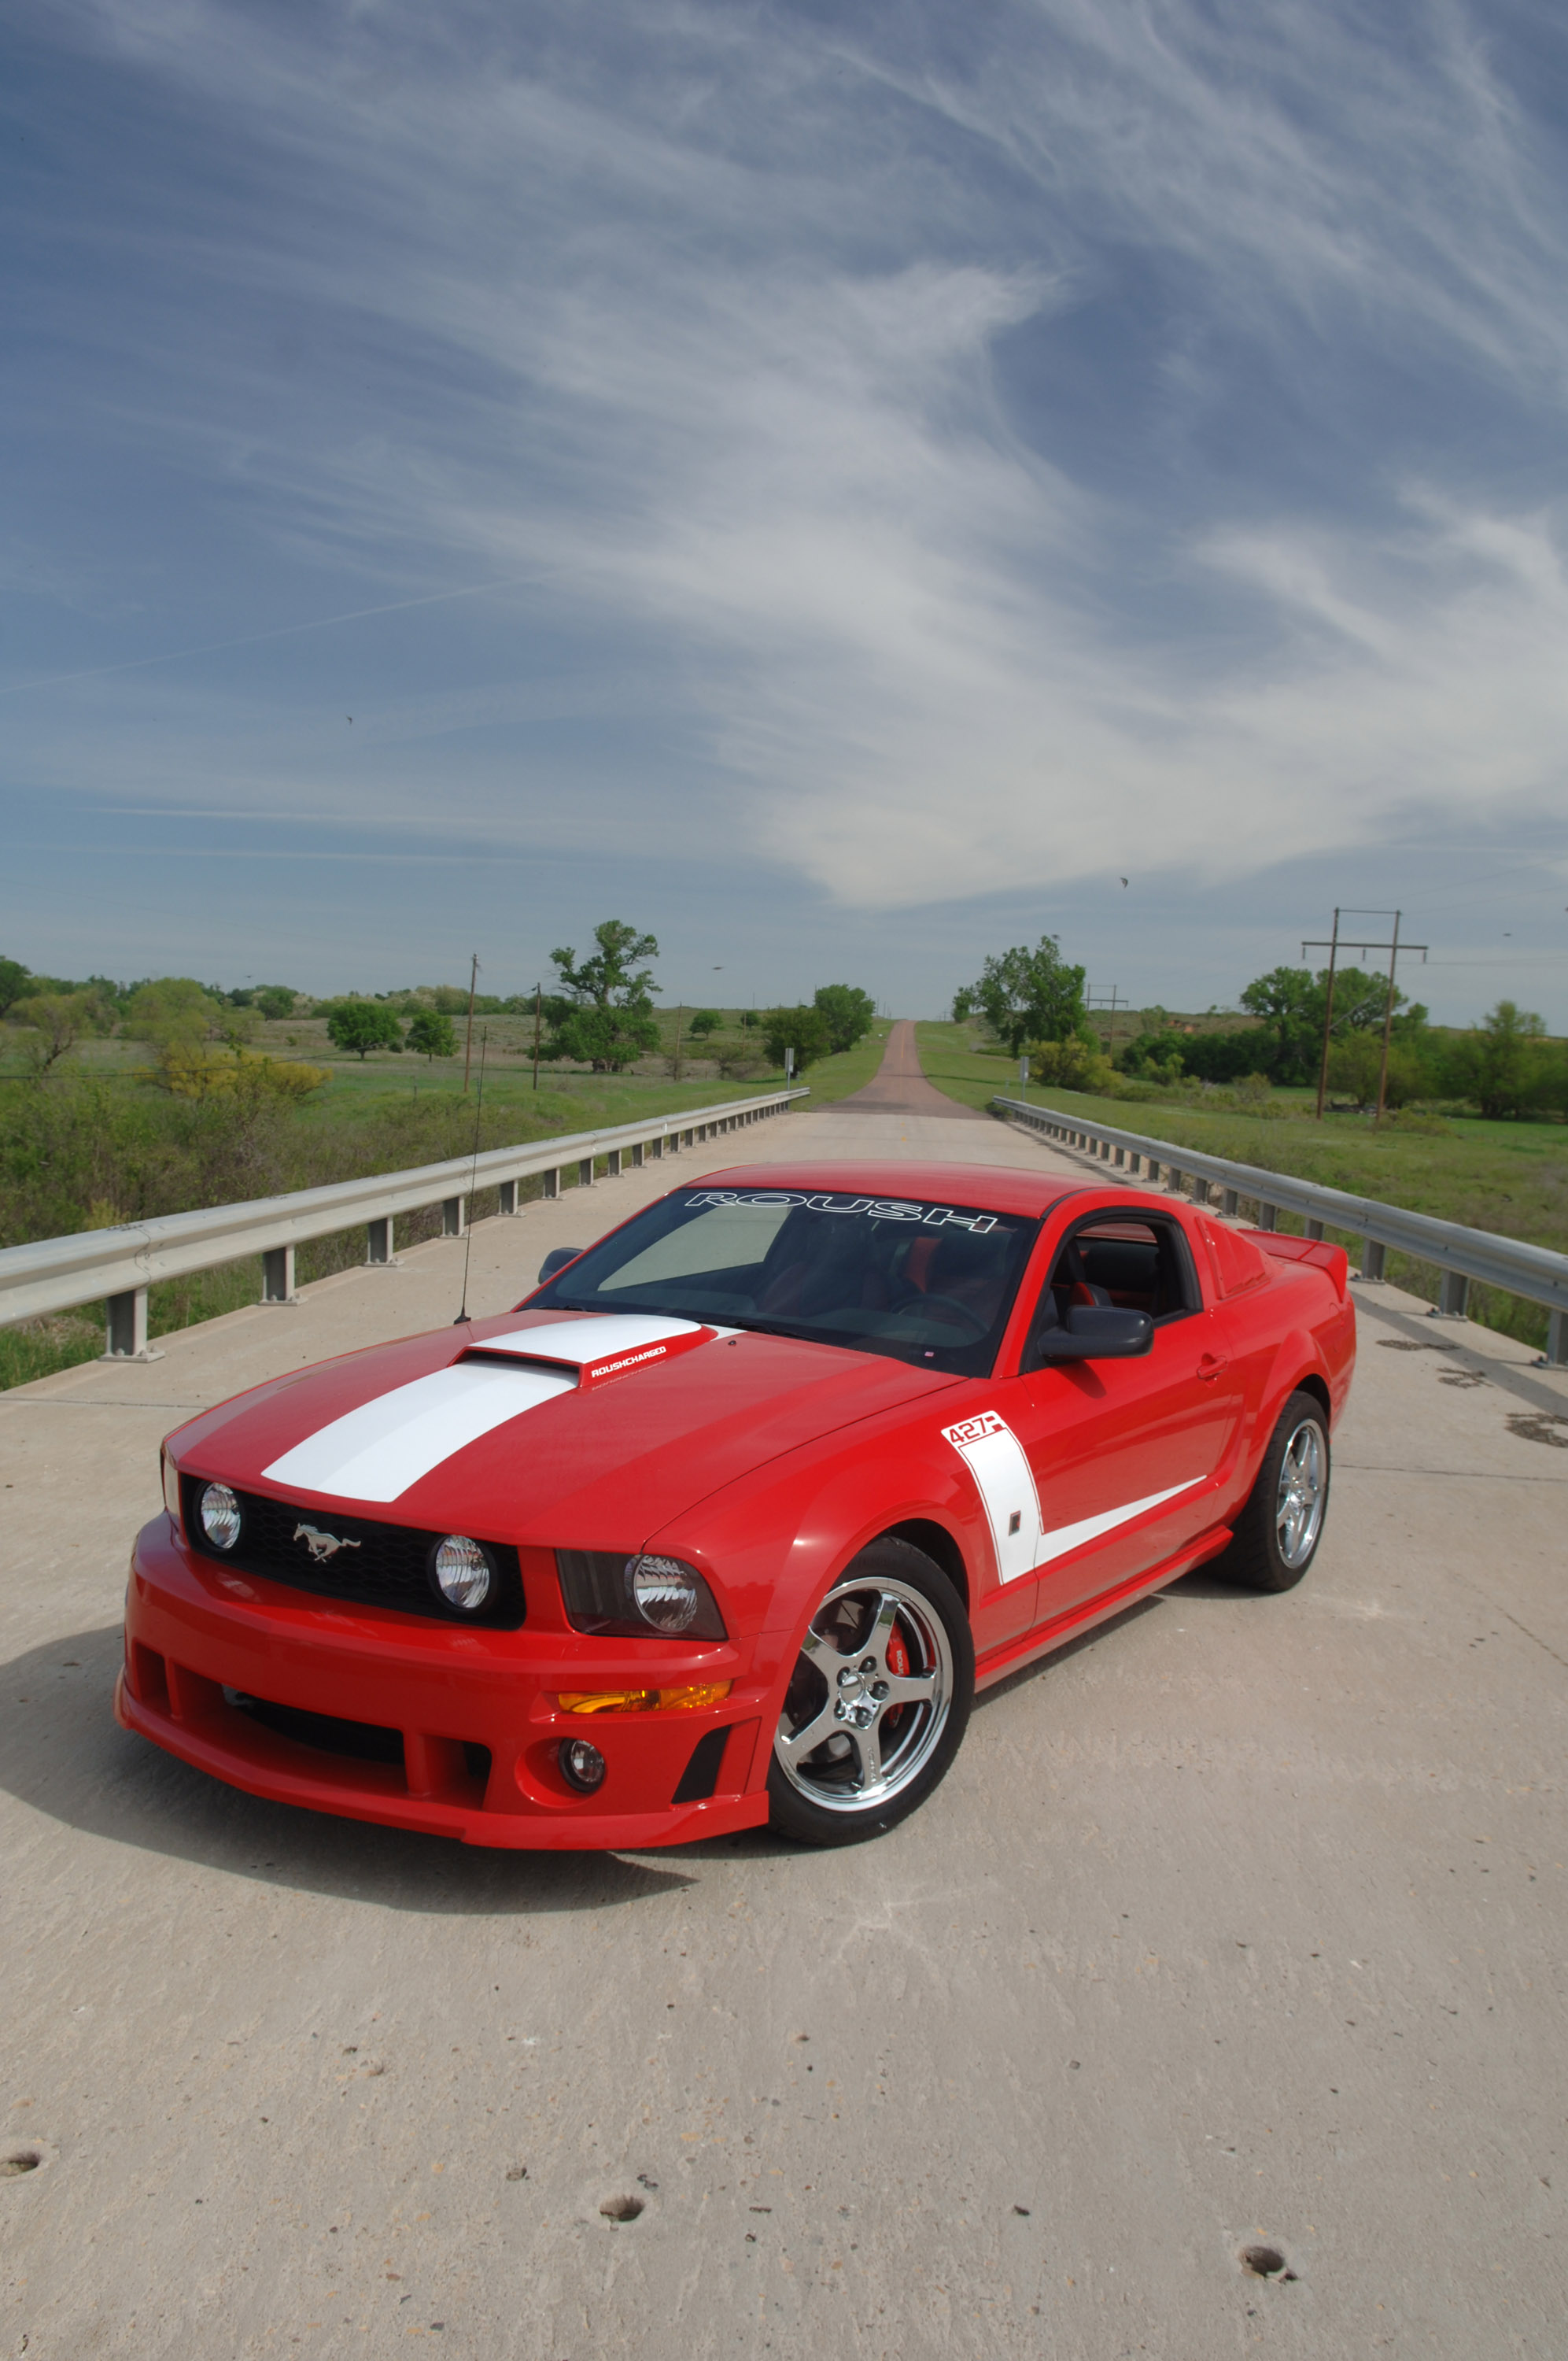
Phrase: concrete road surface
pixel 1241 1923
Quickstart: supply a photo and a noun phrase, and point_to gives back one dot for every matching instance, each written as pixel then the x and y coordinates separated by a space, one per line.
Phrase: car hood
pixel 543 1428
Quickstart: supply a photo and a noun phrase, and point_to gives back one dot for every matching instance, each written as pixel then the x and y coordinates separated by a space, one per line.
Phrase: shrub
pixel 1074 1064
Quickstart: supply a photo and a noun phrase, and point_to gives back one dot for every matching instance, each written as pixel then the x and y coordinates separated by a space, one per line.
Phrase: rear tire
pixel 1275 1537
pixel 878 1703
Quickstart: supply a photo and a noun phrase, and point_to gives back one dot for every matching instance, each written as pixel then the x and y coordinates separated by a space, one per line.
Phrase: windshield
pixel 929 1284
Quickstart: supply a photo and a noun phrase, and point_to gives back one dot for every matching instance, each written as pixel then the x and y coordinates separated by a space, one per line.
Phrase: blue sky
pixel 840 485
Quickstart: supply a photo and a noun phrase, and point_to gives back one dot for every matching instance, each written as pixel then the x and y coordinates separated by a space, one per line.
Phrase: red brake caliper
pixel 898 1665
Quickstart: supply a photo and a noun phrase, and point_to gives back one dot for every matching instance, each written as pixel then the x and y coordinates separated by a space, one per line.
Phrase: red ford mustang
pixel 727 1521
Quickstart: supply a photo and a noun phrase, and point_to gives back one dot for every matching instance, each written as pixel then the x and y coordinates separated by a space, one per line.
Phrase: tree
pixel 14 980
pixel 58 1020
pixel 363 1025
pixel 603 1015
pixel 704 1022
pixel 275 1000
pixel 850 1013
pixel 804 1030
pixel 1355 1064
pixel 1027 995
pixel 170 1009
pixel 1292 1001
pixel 431 1035
pixel 1502 1065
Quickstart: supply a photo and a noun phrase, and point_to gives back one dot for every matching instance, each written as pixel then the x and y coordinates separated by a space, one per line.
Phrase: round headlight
pixel 219 1513
pixel 462 1573
pixel 667 1593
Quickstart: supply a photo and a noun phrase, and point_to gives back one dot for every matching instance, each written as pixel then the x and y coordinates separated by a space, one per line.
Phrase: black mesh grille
pixel 378 1565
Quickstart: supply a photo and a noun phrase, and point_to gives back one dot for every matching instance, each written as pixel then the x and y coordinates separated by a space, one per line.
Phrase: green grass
pixel 1507 1177
pixel 386 1116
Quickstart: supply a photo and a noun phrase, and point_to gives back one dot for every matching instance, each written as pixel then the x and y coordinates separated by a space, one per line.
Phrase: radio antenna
pixel 473 1176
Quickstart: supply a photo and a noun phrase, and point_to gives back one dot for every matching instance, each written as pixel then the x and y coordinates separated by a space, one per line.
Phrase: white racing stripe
pixel 376 1452
pixel 1001 1469
pixel 1089 1529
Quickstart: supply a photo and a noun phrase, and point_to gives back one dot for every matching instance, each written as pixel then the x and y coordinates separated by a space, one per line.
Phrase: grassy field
pixel 387 1113
pixel 1507 1177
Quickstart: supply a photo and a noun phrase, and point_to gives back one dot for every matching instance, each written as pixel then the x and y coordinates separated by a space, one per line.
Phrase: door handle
pixel 1210 1363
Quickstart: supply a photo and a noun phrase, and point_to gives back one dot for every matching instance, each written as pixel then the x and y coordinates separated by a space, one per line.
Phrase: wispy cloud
pixel 1018 446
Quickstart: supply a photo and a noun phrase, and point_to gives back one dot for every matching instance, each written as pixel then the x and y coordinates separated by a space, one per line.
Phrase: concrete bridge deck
pixel 1242 1920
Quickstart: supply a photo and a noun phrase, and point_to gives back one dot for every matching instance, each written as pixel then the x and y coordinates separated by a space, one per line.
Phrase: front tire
pixel 1275 1537
pixel 878 1703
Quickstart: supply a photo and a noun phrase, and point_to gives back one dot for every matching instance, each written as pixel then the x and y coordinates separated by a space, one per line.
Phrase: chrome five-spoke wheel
pixel 1303 1489
pixel 1274 1537
pixel 877 1701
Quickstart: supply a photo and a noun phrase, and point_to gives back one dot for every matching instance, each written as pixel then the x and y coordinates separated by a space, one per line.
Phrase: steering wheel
pixel 976 1326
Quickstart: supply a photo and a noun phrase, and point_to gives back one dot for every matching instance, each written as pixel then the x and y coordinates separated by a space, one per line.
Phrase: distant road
pixel 899 1087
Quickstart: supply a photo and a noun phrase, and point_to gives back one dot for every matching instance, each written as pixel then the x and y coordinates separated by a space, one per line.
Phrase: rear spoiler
pixel 1317 1251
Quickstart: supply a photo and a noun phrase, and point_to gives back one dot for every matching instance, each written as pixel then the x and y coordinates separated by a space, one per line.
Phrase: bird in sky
pixel 1124 880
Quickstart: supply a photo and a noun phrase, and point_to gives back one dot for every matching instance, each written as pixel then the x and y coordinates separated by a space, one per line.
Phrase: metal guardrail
pixel 1537 1273
pixel 120 1264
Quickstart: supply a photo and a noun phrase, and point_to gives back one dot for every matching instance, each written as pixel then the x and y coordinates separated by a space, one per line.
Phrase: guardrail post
pixel 636 1153
pixel 277 1275
pixel 1268 1218
pixel 1453 1300
pixel 451 1217
pixel 585 1172
pixel 1173 1181
pixel 1556 1355
pixel 1374 1259
pixel 612 1164
pixel 1200 1189
pixel 1312 1229
pixel 379 1243
pixel 1228 1203
pixel 126 1328
pixel 506 1197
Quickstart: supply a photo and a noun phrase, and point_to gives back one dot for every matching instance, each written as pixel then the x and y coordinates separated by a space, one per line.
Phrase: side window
pixel 1138 1263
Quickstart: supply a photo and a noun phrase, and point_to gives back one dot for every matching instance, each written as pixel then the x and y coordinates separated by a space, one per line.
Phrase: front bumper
pixel 197 1633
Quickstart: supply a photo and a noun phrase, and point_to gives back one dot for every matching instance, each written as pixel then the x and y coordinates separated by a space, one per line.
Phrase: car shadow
pixel 62 1752
pixel 1200 1584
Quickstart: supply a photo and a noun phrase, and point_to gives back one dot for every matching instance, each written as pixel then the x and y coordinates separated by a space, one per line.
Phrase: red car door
pixel 1126 1454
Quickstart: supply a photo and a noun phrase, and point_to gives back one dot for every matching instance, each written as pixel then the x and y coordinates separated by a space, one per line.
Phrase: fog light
pixel 462 1573
pixel 582 1766
pixel 220 1516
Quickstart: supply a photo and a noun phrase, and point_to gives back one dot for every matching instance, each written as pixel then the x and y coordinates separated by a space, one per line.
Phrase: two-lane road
pixel 1241 1923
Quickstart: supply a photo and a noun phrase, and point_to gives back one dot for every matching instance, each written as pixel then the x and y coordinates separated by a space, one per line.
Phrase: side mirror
pixel 556 1259
pixel 1093 1331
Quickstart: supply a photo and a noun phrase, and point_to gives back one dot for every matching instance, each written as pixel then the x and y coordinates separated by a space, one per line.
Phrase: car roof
pixel 999 1189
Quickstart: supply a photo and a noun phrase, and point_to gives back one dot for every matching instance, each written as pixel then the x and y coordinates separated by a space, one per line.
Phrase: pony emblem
pixel 321 1545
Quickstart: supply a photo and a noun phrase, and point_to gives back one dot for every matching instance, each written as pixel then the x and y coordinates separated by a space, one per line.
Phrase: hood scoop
pixel 610 1344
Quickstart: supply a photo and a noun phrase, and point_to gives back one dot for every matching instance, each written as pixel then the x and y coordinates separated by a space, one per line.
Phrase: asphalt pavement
pixel 1238 1925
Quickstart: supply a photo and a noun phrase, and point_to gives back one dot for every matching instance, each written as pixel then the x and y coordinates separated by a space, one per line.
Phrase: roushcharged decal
pixel 995 1458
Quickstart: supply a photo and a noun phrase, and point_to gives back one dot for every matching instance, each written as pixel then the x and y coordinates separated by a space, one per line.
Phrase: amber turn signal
pixel 683 1700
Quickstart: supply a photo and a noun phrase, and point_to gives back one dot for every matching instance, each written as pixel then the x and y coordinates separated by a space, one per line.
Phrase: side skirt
pixel 1011 1658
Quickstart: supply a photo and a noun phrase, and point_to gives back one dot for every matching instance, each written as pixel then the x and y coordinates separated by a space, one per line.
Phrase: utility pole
pixel 469 1045
pixel 1093 1000
pixel 1387 1023
pixel 538 1008
pixel 1328 1014
pixel 1338 943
